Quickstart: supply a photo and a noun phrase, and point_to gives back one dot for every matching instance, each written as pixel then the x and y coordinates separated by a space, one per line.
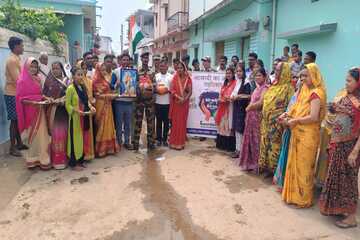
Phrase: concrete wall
pixel 197 7
pixel 174 6
pixel 74 29
pixel 337 51
pixel 224 20
pixel 31 49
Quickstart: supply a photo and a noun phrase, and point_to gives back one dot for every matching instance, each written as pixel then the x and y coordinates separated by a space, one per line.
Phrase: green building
pixel 232 27
pixel 79 18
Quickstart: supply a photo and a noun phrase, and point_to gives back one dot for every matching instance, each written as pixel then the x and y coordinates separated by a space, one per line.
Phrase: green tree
pixel 44 24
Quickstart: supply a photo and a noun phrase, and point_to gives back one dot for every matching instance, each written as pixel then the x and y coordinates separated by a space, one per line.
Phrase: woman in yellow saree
pixel 304 119
pixel 105 128
pixel 276 100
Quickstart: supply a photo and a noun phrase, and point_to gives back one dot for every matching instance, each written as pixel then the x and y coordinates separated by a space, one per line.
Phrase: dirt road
pixel 196 194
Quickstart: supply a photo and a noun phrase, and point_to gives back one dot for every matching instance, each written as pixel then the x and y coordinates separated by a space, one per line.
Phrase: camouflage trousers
pixel 149 108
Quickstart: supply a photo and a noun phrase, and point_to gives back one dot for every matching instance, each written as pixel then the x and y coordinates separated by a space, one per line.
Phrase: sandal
pixel 14 152
pixel 345 225
pixel 22 147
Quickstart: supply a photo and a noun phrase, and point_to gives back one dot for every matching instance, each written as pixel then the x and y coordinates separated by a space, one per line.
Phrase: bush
pixel 43 24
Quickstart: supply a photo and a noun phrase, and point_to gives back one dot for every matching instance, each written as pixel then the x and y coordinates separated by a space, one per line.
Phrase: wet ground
pixel 196 194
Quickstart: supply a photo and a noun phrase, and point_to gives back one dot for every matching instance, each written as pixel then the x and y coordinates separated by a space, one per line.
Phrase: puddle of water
pixel 171 219
pixel 236 184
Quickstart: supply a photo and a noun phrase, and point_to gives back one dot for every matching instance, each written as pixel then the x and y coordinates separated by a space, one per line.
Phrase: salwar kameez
pixel 225 138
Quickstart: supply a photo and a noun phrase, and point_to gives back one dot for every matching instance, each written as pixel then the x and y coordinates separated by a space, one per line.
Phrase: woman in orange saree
pixel 181 90
pixel 104 119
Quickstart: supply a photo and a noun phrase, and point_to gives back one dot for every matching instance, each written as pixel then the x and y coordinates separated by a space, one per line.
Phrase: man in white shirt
pixel 162 103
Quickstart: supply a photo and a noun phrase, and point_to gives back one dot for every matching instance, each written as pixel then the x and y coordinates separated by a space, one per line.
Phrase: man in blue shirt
pixel 123 107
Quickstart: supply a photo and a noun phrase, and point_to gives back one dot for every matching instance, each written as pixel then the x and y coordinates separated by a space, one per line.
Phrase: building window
pixel 196 29
pixel 156 19
pixel 196 53
pixel 178 56
pixel 166 10
pixel 219 50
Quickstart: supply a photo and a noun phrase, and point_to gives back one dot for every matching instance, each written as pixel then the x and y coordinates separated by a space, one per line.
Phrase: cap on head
pixel 145 54
pixel 156 57
pixel 206 59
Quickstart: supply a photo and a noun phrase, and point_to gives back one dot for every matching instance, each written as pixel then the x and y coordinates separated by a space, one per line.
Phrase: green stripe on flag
pixel 137 38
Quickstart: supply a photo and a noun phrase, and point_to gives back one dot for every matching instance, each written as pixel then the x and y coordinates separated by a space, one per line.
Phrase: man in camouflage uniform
pixel 145 101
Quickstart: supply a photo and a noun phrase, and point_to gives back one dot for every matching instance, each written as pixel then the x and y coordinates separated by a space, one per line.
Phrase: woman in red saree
pixel 225 139
pixel 104 119
pixel 31 116
pixel 181 90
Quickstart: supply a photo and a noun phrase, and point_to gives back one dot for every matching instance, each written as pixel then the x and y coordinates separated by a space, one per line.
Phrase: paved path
pixel 196 194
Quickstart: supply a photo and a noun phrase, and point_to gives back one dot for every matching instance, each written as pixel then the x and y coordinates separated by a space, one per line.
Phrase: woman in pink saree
pixel 31 116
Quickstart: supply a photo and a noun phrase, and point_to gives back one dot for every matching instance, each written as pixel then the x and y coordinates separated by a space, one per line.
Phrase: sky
pixel 114 13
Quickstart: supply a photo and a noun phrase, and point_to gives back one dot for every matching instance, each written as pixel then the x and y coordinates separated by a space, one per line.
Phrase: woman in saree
pixel 340 192
pixel 79 109
pixel 276 100
pixel 304 120
pixel 248 160
pixel 89 152
pixel 181 90
pixel 240 98
pixel 56 115
pixel 105 128
pixel 225 139
pixel 325 134
pixel 31 115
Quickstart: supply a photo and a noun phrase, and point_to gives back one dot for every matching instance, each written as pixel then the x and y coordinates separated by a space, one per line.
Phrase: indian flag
pixel 135 34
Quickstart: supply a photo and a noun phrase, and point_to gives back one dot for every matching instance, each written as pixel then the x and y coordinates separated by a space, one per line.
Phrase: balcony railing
pixel 178 22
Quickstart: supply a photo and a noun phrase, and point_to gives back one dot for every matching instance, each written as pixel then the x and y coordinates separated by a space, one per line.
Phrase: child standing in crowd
pixel 79 110
pixel 162 104
pixel 12 72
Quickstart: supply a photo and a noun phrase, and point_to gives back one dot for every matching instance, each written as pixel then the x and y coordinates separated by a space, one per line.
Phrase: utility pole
pixel 203 28
pixel 122 38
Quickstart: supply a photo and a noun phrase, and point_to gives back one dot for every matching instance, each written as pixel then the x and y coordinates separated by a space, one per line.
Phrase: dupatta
pixel 28 88
pixel 301 108
pixel 223 108
pixel 279 94
pixel 179 88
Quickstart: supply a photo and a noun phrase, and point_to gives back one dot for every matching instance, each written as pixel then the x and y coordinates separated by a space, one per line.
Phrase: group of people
pixel 277 122
pixel 271 122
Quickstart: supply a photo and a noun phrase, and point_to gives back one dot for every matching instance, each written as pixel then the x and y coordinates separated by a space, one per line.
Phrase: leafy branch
pixel 43 24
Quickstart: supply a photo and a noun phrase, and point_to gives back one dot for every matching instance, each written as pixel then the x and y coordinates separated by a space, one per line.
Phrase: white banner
pixel 203 105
